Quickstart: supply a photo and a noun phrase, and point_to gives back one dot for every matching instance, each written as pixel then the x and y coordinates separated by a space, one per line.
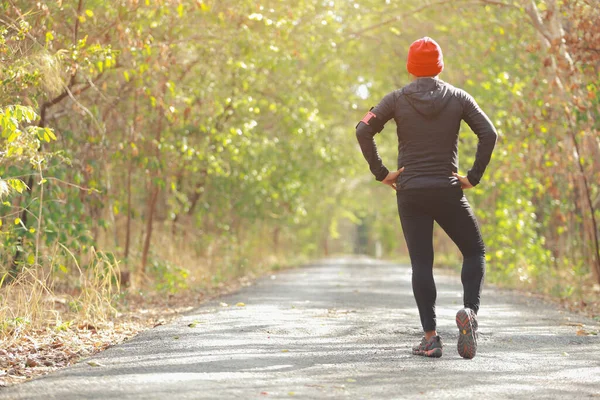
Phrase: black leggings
pixel 418 208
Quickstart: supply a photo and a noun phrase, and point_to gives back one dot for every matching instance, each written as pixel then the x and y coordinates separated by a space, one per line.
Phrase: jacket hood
pixel 428 96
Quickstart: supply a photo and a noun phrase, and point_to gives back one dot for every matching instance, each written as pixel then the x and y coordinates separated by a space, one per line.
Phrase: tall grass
pixel 32 302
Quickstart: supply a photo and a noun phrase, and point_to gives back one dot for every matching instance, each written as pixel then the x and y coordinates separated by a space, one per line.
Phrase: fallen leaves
pixel 579 324
pixel 584 332
pixel 42 351
pixel 159 323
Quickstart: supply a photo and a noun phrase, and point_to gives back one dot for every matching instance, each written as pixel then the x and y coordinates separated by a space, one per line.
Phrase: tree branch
pixel 76 27
pixel 536 20
pixel 427 6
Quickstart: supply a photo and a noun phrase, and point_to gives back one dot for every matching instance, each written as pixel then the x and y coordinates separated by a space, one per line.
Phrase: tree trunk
pixel 154 189
pixel 149 225
pixel 129 173
pixel 276 233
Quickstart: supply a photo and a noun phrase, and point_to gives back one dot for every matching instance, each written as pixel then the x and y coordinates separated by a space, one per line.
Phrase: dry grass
pixel 30 301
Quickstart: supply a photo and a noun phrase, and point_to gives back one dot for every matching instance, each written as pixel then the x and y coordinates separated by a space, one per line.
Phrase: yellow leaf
pixel 241 304
pixel 202 6
pixel 51 134
pixel 13 136
pixel 31 259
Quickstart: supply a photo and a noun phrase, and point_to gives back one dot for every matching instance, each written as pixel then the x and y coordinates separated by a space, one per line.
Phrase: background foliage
pixel 196 140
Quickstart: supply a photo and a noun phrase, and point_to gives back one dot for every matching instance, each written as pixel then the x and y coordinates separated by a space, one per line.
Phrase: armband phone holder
pixel 371 120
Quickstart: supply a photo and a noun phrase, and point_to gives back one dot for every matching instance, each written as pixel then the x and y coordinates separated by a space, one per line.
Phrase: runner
pixel 428 113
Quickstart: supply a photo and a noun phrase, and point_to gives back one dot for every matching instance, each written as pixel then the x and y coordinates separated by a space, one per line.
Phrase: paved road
pixel 339 329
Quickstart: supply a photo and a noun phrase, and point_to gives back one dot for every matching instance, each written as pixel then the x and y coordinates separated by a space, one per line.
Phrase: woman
pixel 428 113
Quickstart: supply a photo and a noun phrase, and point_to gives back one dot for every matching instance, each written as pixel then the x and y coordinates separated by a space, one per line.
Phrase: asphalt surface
pixel 339 329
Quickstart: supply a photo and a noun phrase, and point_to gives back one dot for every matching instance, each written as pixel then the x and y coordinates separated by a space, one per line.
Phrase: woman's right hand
pixel 464 181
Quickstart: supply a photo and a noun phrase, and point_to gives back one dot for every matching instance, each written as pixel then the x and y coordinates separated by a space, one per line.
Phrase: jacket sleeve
pixel 485 131
pixel 368 127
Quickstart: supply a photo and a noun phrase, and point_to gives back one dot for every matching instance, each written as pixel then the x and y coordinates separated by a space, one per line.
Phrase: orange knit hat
pixel 425 58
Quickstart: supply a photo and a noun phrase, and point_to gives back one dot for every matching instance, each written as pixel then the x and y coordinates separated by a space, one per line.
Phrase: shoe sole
pixel 467 342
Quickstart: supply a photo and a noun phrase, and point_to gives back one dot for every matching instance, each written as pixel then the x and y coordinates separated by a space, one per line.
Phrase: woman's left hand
pixel 391 177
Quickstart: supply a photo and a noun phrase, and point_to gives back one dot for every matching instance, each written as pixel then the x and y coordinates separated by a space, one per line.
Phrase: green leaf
pixel 94 364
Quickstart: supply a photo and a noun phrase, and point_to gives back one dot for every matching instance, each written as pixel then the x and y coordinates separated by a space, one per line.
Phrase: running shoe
pixel 466 320
pixel 429 348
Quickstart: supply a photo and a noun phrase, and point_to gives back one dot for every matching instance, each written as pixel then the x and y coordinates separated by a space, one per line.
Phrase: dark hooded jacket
pixel 428 113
